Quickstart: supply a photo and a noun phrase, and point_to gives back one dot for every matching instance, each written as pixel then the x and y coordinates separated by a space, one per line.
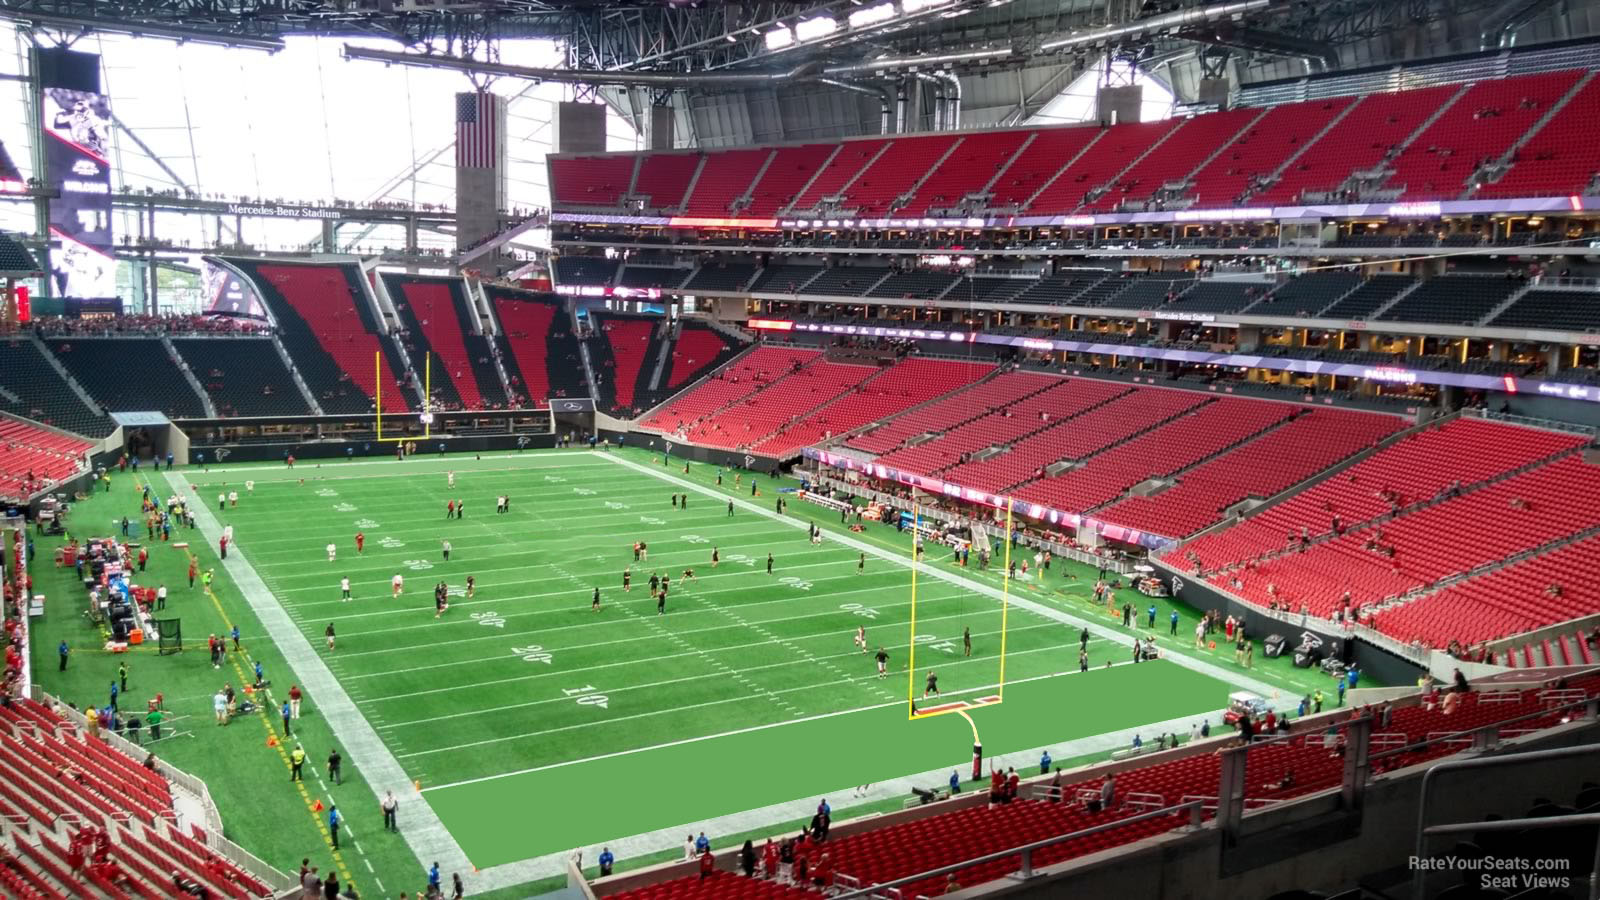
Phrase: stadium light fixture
pixel 141 29
pixel 817 27
pixel 910 7
pixel 871 15
pixel 779 38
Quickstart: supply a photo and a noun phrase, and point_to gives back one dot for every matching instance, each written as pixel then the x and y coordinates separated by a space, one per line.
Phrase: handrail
pixel 1193 807
pixel 1457 736
pixel 1418 878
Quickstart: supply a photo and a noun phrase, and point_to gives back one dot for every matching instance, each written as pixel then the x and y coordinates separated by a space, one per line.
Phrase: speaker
pixel 1302 660
pixel 1274 645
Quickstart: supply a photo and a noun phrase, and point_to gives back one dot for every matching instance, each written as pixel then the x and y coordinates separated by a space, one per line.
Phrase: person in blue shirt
pixel 114 693
pixel 955 782
pixel 702 843
pixel 1174 620
pixel 1151 621
pixel 1353 676
pixel 334 820
pixel 65 651
pixel 606 860
pixel 235 636
pixel 433 878
pixel 1341 691
pixel 286 712
pixel 1044 763
pixel 169 460
pixel 259 676
pixel 1137 742
pixel 1304 702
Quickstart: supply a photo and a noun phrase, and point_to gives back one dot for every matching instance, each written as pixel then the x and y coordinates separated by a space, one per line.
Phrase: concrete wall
pixel 1316 845
pixel 1118 105
pixel 580 127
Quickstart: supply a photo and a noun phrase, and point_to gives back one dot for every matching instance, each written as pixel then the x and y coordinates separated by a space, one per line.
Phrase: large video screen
pixel 229 295
pixel 77 126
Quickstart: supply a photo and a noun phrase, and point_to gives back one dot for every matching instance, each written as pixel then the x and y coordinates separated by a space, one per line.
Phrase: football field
pixel 535 724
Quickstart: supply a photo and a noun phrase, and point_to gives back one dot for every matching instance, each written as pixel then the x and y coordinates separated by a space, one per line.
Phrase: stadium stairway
pixel 435 311
pixel 56 783
pixel 330 331
pixel 1576 647
pixel 126 374
pixel 537 345
pixel 34 385
pixel 242 376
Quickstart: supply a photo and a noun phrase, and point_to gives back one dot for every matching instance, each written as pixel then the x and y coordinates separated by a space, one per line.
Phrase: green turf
pixel 522 699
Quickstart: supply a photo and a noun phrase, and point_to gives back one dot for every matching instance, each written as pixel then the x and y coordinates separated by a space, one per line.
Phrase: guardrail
pixel 264 872
pixel 1193 808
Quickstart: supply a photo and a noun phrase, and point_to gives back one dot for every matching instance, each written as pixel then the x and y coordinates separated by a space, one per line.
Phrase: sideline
pixel 423 832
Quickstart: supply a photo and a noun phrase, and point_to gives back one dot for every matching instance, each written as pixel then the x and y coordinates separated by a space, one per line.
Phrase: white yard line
pixel 423 832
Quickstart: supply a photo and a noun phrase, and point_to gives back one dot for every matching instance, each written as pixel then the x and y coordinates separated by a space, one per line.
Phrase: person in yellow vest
pixel 297 758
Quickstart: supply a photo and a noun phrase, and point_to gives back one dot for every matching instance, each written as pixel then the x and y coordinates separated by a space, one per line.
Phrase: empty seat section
pixel 1369 297
pixel 756 371
pixel 789 400
pixel 726 176
pixel 1554 587
pixel 1182 442
pixel 590 180
pixel 1220 295
pixel 664 178
pixel 633 343
pixel 1477 128
pixel 846 281
pixel 538 341
pixel 978 158
pixel 1116 150
pixel 126 374
pixel 1452 299
pixel 1307 295
pixel 791 168
pixel 330 335
pixel 646 277
pixel 783 279
pixel 1257 153
pixel 915 285
pixel 32 458
pixel 1277 460
pixel 41 394
pixel 853 156
pixel 977 400
pixel 1414 468
pixel 1483 526
pixel 1561 159
pixel 698 350
pixel 1052 149
pixel 1565 310
pixel 1360 141
pixel 720 275
pixel 1173 159
pixel 904 385
pixel 894 173
pixel 243 376
pixel 433 311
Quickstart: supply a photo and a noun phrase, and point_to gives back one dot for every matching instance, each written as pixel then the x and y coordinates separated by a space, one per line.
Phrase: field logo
pixel 669 446
pixel 749 461
pixel 1177 585
pixel 522 442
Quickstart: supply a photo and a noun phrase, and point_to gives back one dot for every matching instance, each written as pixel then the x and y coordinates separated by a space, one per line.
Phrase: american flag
pixel 476 128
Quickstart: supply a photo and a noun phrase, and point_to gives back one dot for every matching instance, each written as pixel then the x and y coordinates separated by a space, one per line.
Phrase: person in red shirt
pixel 769 859
pixel 361 540
pixel 222 546
pixel 997 785
pixel 144 557
pixel 822 875
pixel 708 864
pixel 194 569
pixel 1011 785
pixel 294 701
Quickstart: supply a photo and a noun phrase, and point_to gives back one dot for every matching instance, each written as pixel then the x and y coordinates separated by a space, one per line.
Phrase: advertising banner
pixel 77 128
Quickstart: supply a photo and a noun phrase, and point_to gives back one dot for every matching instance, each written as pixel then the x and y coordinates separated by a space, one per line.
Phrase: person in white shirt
pixel 398 582
pixel 344 588
pixel 161 597
pixel 222 501
pixel 233 498
pixel 332 549
pixel 227 532
pixel 450 479
pixel 249 487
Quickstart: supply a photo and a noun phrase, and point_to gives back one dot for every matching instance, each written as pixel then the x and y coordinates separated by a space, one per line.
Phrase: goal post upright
pixel 1005 598
pixel 426 414
pixel 911 661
